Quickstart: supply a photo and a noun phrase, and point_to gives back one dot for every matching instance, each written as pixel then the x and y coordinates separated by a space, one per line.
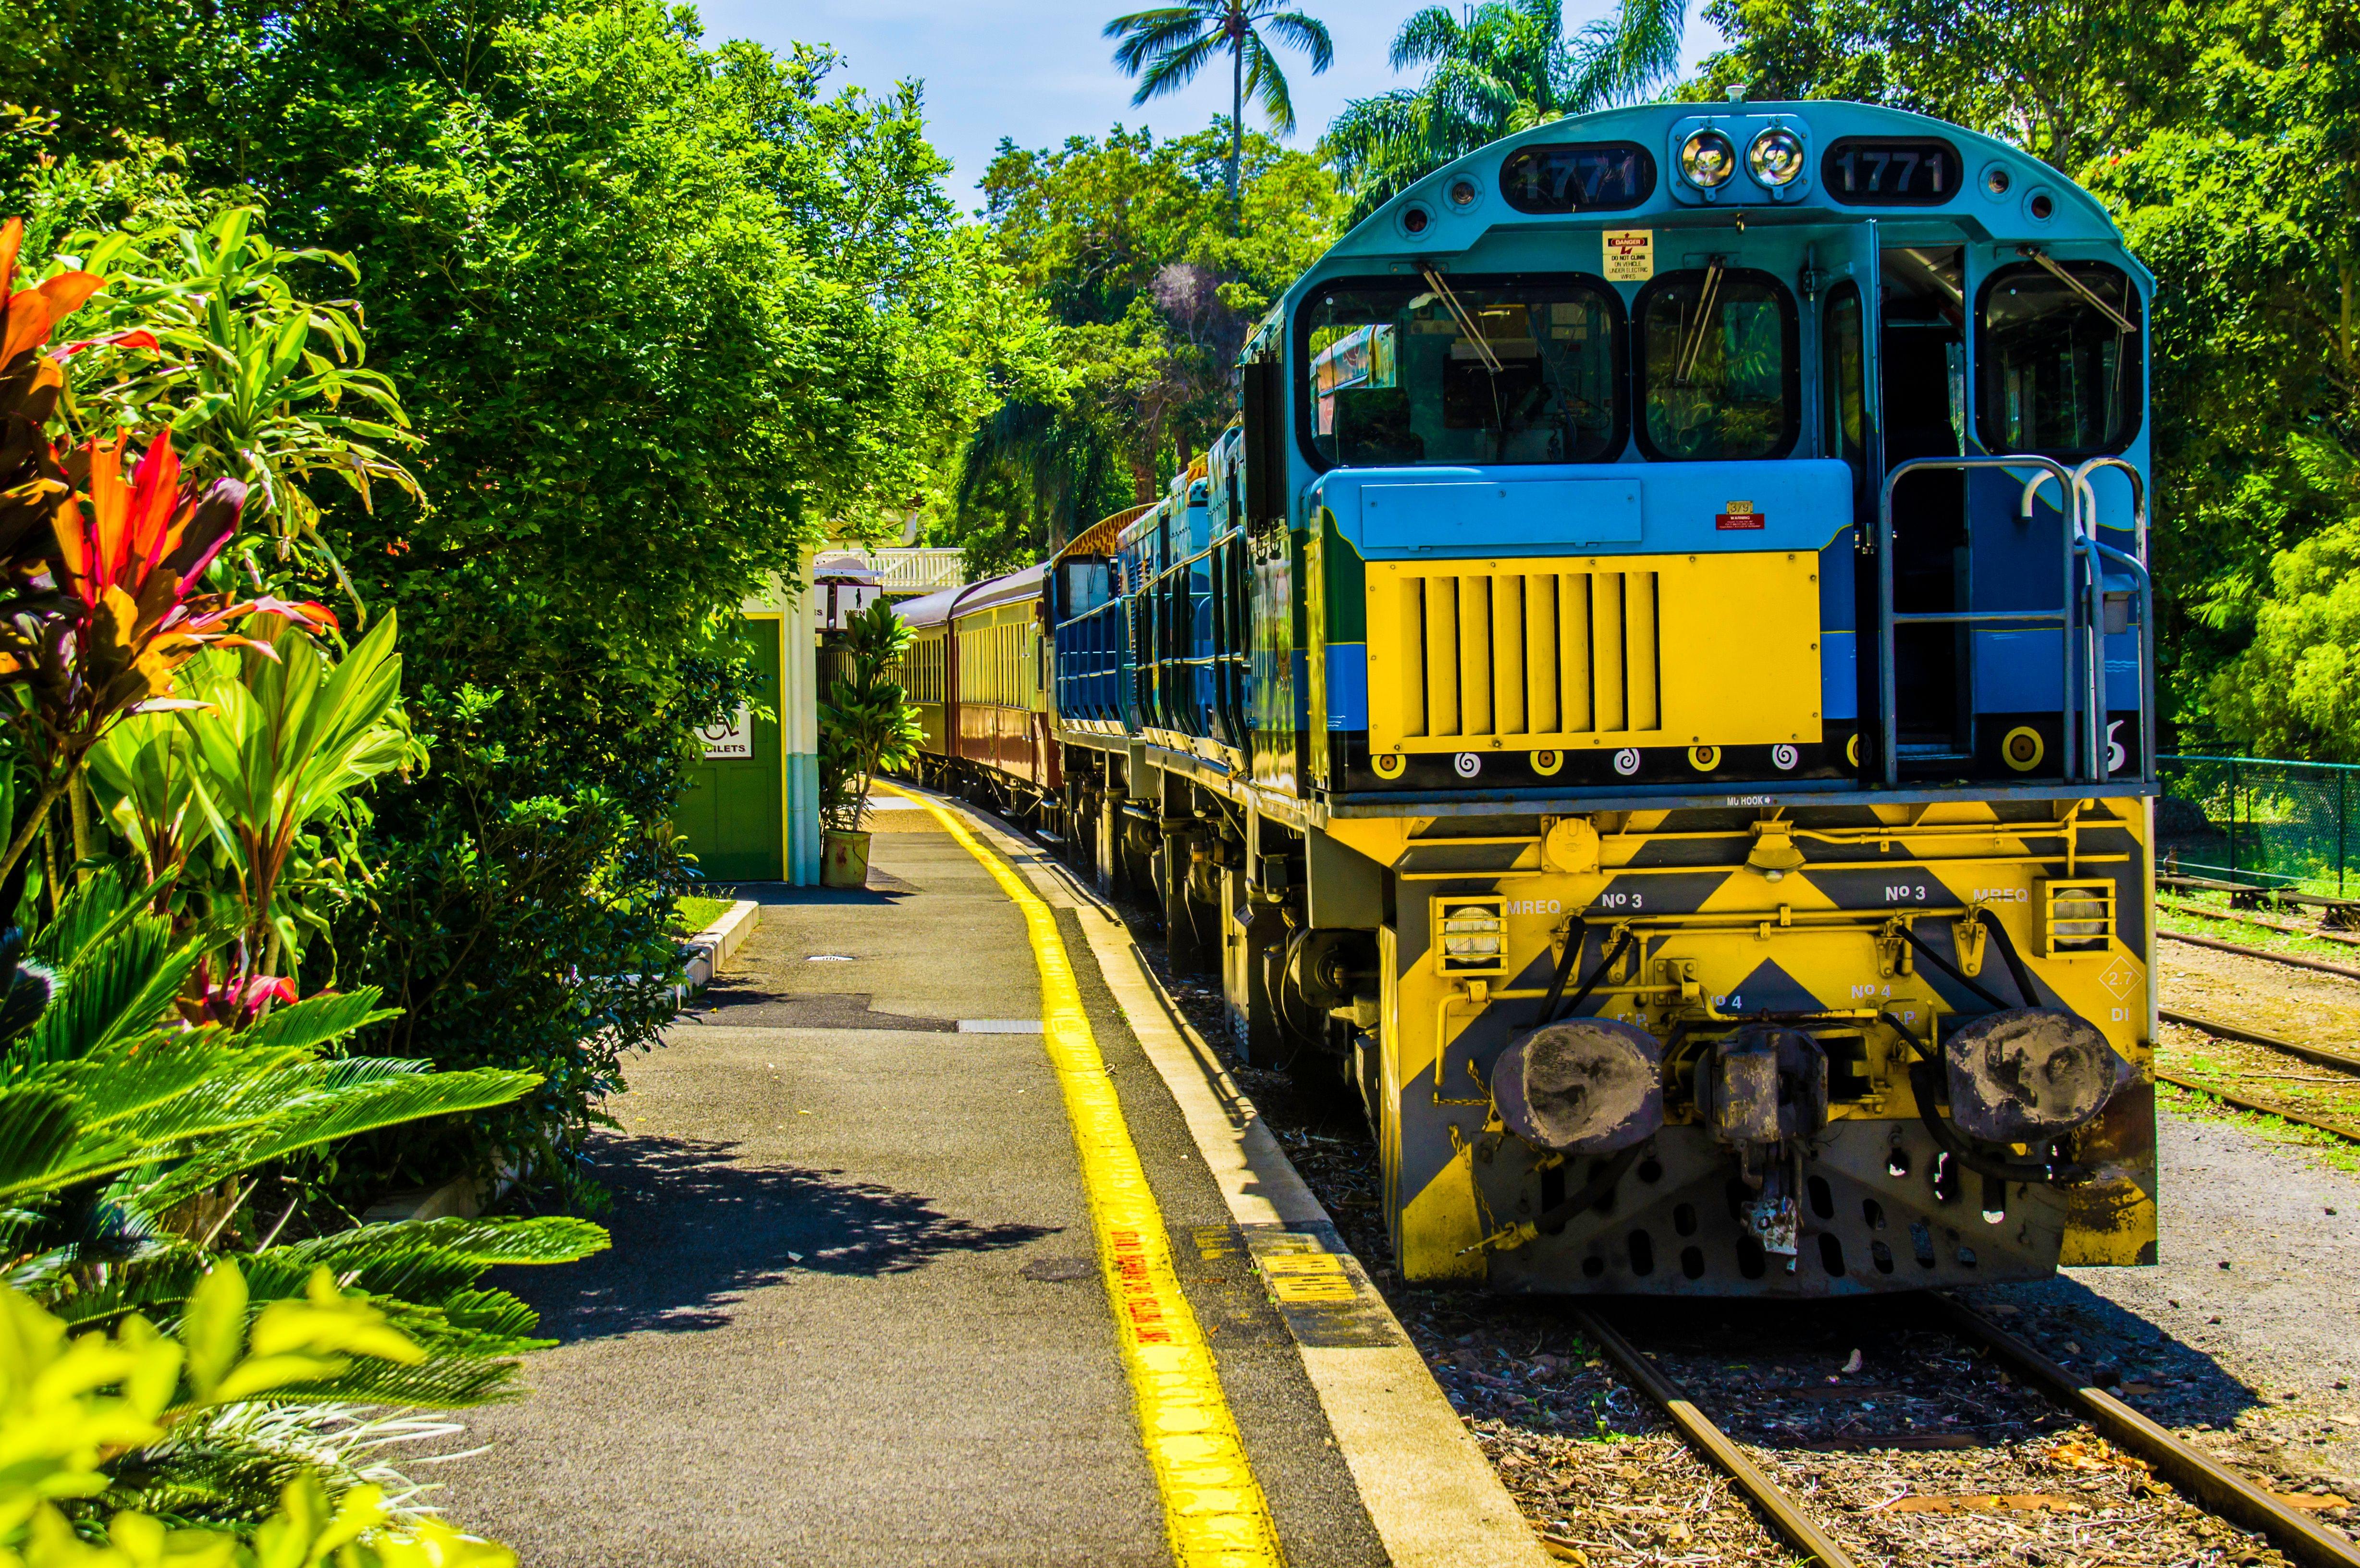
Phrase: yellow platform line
pixel 1214 1513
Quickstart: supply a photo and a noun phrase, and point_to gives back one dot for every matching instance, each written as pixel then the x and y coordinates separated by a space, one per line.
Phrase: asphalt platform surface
pixel 852 1313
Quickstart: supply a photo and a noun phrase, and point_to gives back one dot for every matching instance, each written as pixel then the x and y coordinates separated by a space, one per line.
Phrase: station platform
pixel 938 1240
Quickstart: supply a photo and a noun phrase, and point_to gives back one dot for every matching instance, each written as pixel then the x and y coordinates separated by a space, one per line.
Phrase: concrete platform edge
pixel 710 948
pixel 1433 1497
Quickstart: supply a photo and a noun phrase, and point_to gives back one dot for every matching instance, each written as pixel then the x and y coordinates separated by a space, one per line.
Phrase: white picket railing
pixel 916 571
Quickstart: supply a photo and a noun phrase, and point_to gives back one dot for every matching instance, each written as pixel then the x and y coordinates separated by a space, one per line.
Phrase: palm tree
pixel 1167 47
pixel 1493 70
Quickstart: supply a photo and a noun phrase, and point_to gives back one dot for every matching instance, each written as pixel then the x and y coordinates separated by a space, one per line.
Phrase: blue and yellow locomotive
pixel 1656 691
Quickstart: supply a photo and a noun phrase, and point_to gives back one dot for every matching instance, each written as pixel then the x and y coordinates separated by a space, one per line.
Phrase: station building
pixel 749 807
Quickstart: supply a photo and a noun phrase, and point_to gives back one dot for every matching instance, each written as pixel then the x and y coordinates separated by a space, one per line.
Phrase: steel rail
pixel 2239 917
pixel 2215 1486
pixel 2296 959
pixel 1787 1516
pixel 2344 1130
pixel 2320 1054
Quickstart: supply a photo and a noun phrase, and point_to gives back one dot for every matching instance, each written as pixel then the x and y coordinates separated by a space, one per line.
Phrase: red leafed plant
pixel 105 573
pixel 33 484
pixel 229 1001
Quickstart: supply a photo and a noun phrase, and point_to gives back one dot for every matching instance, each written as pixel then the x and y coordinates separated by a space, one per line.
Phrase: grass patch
pixel 2340 1154
pixel 693 915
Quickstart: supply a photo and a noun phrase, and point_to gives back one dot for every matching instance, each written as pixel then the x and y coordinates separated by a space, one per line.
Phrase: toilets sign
pixel 730 738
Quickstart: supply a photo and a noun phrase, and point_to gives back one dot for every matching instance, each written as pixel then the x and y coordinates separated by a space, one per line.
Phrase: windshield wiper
pixel 2122 323
pixel 1467 323
pixel 1692 343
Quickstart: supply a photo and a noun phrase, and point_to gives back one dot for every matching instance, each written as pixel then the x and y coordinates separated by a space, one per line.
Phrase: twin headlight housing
pixel 1776 158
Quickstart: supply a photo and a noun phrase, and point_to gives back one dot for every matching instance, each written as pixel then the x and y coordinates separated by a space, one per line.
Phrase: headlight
pixel 1776 158
pixel 1473 937
pixel 1708 158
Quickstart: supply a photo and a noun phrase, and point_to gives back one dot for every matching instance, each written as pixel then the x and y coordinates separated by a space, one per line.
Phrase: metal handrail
pixel 2093 656
pixel 2146 650
pixel 2138 497
pixel 1887 699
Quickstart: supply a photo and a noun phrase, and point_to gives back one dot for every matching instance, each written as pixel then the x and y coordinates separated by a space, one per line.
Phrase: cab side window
pixel 2057 360
pixel 1843 375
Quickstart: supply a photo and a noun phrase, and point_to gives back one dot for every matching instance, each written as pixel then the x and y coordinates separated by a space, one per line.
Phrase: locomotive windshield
pixel 1717 356
pixel 1455 371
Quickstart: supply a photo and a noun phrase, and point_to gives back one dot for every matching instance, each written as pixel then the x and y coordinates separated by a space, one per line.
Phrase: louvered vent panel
pixel 1517 655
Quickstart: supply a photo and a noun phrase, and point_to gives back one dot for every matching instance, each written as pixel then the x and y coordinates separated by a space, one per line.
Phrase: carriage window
pixel 1844 370
pixel 1087 586
pixel 1717 354
pixel 1461 371
pixel 2055 370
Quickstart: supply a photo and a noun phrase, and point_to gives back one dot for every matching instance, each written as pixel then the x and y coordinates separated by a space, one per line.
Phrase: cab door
pixel 1849 426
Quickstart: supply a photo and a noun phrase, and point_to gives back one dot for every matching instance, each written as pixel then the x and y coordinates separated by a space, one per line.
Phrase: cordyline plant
pixel 105 572
pixel 254 381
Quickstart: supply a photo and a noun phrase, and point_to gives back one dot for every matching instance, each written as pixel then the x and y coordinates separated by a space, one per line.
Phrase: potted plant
pixel 866 724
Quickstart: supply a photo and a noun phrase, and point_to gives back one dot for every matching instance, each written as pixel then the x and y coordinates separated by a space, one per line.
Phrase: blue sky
pixel 1038 71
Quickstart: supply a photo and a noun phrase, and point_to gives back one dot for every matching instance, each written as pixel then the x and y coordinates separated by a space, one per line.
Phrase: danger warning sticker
pixel 1629 255
pixel 1740 515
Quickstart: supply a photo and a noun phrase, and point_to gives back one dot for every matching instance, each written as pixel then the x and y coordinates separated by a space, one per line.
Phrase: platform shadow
pixel 738 1001
pixel 695 1230
pixel 884 890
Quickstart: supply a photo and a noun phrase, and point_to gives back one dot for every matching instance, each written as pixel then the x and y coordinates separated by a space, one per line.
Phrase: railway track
pixel 2239 917
pixel 2244 1102
pixel 2320 1056
pixel 2293 960
pixel 2195 1473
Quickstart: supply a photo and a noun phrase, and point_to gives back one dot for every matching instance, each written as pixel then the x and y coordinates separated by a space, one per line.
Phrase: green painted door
pixel 732 809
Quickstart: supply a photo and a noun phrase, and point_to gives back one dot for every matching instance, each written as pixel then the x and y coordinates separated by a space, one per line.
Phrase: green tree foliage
pixel 1167 47
pixel 1493 70
pixel 663 315
pixel 1129 247
pixel 2066 79
pixel 2247 204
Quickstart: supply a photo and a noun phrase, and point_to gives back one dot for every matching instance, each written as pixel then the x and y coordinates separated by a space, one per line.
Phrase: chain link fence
pixel 2261 822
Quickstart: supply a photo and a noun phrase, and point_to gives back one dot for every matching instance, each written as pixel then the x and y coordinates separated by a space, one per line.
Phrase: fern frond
pixel 430 1262
pixel 317 1020
pixel 469 1324
pixel 110 992
pixel 37 1127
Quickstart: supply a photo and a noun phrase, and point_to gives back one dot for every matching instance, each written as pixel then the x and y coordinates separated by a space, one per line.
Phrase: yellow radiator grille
pixel 1554 654
pixel 1528 653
